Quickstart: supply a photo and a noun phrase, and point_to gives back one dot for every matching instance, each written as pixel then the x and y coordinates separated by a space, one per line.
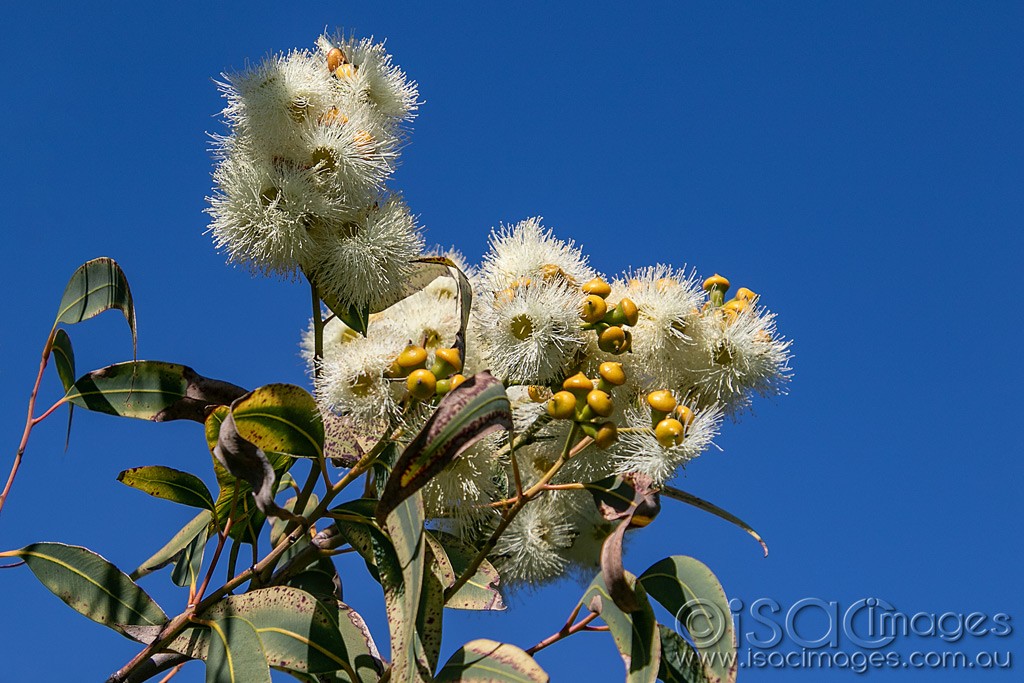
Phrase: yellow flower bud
pixel 612 373
pixel 597 287
pixel 412 357
pixel 449 359
pixel 456 380
pixel 669 432
pixel 578 384
pixel 594 309
pixel 684 415
pixel 612 340
pixel 736 305
pixel 746 294
pixel 624 313
pixel 562 406
pixel 662 400
pixel 600 402
pixel 549 271
pixel 362 138
pixel 443 387
pixel 335 58
pixel 716 281
pixel 421 384
pixel 332 116
pixel 607 434
pixel 344 71
pixel 537 393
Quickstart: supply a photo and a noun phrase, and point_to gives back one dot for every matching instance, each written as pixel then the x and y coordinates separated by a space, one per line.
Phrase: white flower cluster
pixel 300 179
pixel 646 364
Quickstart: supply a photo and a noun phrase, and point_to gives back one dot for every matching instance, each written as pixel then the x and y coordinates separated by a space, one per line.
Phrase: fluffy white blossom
pixel 374 79
pixel 530 334
pixel 639 451
pixel 460 494
pixel 530 549
pixel 369 262
pixel 742 355
pixel 352 380
pixel 529 250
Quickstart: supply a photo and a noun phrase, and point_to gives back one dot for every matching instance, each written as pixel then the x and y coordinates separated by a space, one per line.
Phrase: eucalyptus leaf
pixel 190 561
pixel 281 418
pixel 465 415
pixel 64 360
pixel 90 585
pixel 452 556
pixel 151 390
pixel 692 594
pixel 236 654
pixel 488 661
pixel 96 286
pixel 708 506
pixel 679 661
pixel 173 548
pixel 635 633
pixel 169 484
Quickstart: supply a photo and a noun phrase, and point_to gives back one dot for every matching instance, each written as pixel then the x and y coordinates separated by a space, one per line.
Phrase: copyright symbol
pixel 703 621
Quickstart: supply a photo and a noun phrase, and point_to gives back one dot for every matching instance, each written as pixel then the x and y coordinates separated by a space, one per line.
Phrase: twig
pixel 565 632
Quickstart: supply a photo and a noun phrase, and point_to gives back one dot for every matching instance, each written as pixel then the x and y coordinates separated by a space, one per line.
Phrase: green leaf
pixel 173 548
pixel 707 506
pixel 452 557
pixel 635 633
pixel 487 661
pixel 410 655
pixel 679 661
pixel 282 418
pixel 320 580
pixel 90 585
pixel 98 285
pixel 693 595
pixel 169 484
pixel 64 359
pixel 236 653
pixel 151 390
pixel 190 561
pixel 465 415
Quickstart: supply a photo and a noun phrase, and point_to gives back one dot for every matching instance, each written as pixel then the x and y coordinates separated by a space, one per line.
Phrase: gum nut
pixel 450 356
pixel 593 309
pixel 456 380
pixel 335 58
pixel 746 294
pixel 611 340
pixel 629 311
pixel 345 71
pixel 669 432
pixel 716 281
pixel 443 387
pixel 600 402
pixel 684 415
pixel 562 405
pixel 578 382
pixel 607 434
pixel 612 373
pixel 537 393
pixel 661 400
pixel 597 287
pixel 413 357
pixel 421 384
pixel 736 305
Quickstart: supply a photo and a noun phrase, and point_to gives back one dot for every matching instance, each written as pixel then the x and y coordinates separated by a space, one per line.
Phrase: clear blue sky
pixel 860 165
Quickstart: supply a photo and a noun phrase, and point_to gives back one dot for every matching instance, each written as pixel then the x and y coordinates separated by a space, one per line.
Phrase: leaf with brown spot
pixel 281 418
pixel 488 661
pixel 635 633
pixel 465 415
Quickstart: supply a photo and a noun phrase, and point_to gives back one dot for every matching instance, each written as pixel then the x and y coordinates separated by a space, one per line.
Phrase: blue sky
pixel 859 165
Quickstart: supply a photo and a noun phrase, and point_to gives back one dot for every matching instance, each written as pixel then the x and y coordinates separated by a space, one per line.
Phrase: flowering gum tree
pixel 471 428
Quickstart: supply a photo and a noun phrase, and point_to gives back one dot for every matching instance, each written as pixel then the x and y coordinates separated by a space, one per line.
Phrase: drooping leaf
pixel 151 390
pixel 355 524
pixel 96 286
pixel 281 418
pixel 707 506
pixel 90 585
pixel 465 415
pixel 190 561
pixel 169 484
pixel 173 548
pixel 632 501
pixel 635 633
pixel 64 360
pixel 409 654
pixel 236 653
pixel 245 462
pixel 452 557
pixel 488 661
pixel 679 661
pixel 692 593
